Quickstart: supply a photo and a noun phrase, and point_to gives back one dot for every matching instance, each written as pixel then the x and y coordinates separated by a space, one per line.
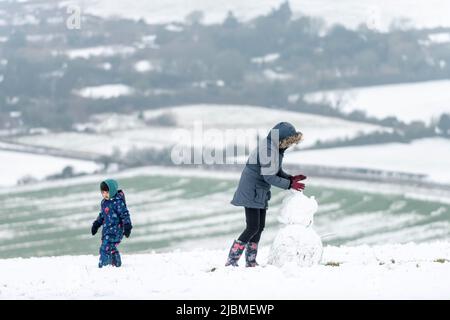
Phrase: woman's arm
pixel 277 181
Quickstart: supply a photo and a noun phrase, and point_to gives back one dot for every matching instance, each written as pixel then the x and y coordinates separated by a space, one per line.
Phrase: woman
pixel 262 170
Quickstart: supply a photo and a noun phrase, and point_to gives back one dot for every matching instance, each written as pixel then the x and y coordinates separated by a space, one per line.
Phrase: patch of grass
pixel 333 264
pixel 441 260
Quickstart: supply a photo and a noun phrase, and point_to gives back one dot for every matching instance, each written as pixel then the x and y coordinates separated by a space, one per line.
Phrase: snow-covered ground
pixel 243 123
pixel 107 91
pixel 100 51
pixel 350 212
pixel 16 165
pixel 410 271
pixel 220 125
pixel 377 14
pixel 408 102
pixel 430 157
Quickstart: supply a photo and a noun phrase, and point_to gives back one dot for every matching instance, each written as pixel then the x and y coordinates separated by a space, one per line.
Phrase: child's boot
pixel 250 254
pixel 104 261
pixel 105 255
pixel 116 260
pixel 235 253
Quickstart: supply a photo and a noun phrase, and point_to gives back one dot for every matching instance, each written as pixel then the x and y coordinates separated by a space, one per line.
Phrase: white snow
pixel 40 38
pixel 107 91
pixel 16 165
pixel 174 28
pixel 410 271
pixel 430 157
pixel 272 75
pixel 268 58
pixel 441 37
pixel 106 66
pixel 144 66
pixel 296 245
pixel 100 51
pixel 298 209
pixel 377 14
pixel 127 131
pixel 21 20
pixel 296 242
pixel 421 101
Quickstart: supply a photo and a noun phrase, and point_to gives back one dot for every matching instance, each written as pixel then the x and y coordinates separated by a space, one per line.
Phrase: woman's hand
pixel 296 185
pixel 299 177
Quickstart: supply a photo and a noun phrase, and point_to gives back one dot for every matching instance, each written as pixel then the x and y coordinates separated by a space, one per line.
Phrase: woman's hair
pixel 104 186
pixel 289 141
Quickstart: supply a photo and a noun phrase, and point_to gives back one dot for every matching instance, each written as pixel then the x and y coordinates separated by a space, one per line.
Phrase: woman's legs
pixel 255 220
pixel 252 246
pixel 262 224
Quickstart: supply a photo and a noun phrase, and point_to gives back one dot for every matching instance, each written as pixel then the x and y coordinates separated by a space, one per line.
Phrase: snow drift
pixel 409 271
pixel 297 242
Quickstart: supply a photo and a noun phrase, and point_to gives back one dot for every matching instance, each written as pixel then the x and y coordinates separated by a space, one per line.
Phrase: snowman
pixel 297 242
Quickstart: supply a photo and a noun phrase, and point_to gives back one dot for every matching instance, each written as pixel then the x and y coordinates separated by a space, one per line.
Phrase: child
pixel 116 222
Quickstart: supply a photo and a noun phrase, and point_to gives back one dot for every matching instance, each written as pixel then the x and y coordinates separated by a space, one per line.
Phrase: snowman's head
pixel 298 209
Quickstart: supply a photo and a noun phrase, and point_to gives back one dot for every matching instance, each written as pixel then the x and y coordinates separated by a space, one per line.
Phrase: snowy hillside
pixel 415 157
pixel 54 217
pixel 421 101
pixel 407 271
pixel 127 131
pixel 16 165
pixel 377 14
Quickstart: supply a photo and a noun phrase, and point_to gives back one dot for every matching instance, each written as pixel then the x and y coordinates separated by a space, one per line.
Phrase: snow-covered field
pixel 410 271
pixel 54 218
pixel 106 91
pixel 421 101
pixel 16 165
pixel 127 131
pixel 430 157
pixel 351 13
pixel 100 51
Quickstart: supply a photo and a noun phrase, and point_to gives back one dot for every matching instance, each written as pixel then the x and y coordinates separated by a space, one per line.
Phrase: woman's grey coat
pixel 263 170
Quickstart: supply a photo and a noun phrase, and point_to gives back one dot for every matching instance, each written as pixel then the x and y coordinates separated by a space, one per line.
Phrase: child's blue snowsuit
pixel 113 217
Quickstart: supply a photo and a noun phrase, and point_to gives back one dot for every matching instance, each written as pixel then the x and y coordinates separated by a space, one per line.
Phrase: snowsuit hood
pixel 113 187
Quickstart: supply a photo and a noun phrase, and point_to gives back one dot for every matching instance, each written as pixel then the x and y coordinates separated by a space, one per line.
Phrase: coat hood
pixel 285 130
pixel 113 187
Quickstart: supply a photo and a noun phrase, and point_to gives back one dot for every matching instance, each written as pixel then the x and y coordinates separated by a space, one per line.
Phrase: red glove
pixel 299 177
pixel 297 185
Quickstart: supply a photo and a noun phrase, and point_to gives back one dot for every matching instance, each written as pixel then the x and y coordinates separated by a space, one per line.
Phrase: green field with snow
pixel 173 208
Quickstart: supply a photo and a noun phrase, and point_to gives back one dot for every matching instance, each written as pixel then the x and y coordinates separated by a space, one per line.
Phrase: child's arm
pixel 97 223
pixel 124 215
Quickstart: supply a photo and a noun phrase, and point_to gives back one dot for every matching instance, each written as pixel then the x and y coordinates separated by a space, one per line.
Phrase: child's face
pixel 105 195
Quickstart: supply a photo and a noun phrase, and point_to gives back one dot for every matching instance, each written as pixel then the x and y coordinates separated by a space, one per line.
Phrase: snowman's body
pixel 297 242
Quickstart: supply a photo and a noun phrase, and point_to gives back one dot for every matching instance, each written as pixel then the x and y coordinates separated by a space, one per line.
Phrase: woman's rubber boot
pixel 235 253
pixel 250 254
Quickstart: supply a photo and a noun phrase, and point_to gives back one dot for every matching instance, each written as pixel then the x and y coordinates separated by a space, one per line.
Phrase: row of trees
pixel 205 64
